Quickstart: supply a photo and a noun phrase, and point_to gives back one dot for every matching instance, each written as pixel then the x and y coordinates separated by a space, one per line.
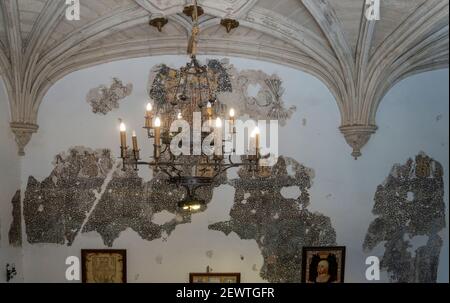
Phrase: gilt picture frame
pixel 214 278
pixel 323 264
pixel 104 265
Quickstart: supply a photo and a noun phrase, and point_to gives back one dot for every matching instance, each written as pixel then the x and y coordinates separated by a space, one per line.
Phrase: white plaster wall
pixel 343 188
pixel 9 184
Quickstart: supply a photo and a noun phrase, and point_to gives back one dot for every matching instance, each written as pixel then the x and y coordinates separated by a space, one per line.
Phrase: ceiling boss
pixel 188 100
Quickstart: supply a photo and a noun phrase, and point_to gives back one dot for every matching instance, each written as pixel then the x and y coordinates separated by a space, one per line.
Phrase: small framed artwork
pixel 104 265
pixel 323 264
pixel 214 278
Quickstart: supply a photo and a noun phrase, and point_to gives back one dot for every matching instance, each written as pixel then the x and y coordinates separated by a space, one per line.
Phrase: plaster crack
pixel 99 195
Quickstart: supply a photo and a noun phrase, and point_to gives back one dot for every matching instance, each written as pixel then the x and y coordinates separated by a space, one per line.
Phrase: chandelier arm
pixel 166 172
pixel 225 168
pixel 165 148
pixel 168 164
pixel 177 171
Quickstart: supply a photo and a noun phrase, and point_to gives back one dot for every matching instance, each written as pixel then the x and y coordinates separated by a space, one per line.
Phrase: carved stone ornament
pixel 159 22
pixel 23 133
pixel 229 24
pixel 189 11
pixel 358 72
pixel 357 137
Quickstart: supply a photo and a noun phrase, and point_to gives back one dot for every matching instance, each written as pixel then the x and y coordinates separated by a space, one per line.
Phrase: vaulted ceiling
pixel 358 60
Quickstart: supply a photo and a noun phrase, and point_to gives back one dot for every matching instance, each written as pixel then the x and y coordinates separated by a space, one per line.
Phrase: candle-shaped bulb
pixel 209 110
pixel 232 113
pixel 135 145
pixel 233 120
pixel 180 116
pixel 255 132
pixel 218 122
pixel 123 140
pixel 255 136
pixel 157 122
pixel 157 150
pixel 148 116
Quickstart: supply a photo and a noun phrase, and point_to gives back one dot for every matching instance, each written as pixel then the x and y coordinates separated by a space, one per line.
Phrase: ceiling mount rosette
pixel 212 7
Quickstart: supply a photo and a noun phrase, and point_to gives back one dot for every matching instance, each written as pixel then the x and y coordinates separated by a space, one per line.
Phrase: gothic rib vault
pixel 358 60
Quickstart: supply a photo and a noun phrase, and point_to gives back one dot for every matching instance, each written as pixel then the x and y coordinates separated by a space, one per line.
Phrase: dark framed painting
pixel 323 264
pixel 214 278
pixel 104 265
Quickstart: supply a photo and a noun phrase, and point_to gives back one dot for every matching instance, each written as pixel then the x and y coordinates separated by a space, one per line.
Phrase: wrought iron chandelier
pixel 192 91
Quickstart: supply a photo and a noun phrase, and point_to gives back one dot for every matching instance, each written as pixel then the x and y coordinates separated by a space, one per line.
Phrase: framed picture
pixel 104 265
pixel 214 278
pixel 323 264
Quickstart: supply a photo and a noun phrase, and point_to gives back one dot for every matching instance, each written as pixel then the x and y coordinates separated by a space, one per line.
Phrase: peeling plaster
pixel 15 230
pixel 249 92
pixel 103 99
pixel 280 226
pixel 410 208
pixel 85 192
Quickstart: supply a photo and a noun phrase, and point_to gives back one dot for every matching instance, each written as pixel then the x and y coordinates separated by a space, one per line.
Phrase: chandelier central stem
pixel 193 41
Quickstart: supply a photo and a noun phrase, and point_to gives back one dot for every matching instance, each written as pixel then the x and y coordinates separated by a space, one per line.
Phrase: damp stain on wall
pixel 409 206
pixel 280 226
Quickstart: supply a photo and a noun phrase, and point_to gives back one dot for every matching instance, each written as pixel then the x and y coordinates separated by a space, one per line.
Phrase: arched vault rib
pixel 5 67
pixel 419 32
pixel 357 81
pixel 246 49
pixel 44 26
pixel 417 62
pixel 286 33
pixel 366 78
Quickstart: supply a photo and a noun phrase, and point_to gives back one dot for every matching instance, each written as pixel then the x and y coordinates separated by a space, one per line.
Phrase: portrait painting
pixel 214 278
pixel 104 266
pixel 323 264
